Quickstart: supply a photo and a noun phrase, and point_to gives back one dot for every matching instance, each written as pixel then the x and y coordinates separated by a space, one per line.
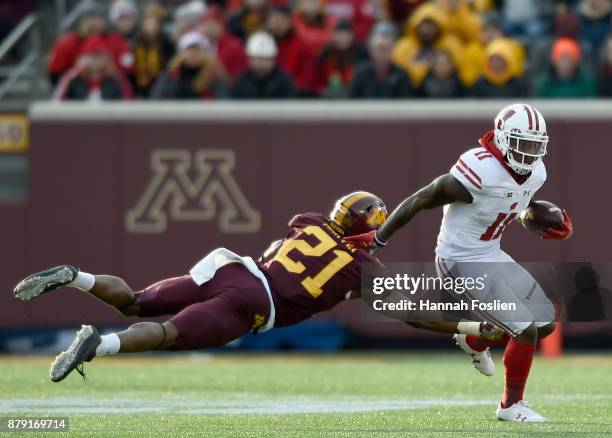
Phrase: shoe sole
pixel 83 346
pixel 37 284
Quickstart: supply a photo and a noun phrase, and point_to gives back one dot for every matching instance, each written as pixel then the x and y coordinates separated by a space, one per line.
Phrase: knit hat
pixel 565 47
pixel 261 45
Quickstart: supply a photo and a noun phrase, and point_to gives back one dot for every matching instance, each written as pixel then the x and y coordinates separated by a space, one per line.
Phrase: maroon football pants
pixel 229 305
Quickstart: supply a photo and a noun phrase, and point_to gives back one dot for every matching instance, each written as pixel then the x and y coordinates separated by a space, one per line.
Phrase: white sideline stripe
pixel 280 406
pixel 84 405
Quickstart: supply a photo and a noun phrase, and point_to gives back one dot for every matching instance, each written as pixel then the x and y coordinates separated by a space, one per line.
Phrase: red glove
pixel 369 241
pixel 567 229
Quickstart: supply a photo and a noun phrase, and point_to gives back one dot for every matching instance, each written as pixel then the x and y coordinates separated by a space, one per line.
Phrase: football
pixel 541 215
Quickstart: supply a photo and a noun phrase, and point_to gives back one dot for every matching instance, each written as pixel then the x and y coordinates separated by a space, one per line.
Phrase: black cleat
pixel 45 281
pixel 82 349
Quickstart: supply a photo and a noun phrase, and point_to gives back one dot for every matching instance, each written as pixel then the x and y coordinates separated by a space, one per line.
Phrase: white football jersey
pixel 472 232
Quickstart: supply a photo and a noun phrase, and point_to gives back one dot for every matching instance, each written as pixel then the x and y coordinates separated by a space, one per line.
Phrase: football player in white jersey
pixel 483 192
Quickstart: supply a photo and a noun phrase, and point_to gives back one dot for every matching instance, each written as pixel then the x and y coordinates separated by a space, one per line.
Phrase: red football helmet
pixel 358 213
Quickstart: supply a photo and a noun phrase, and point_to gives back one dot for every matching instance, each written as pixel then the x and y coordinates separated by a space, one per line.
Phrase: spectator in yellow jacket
pixel 502 76
pixel 462 21
pixel 425 31
pixel 472 63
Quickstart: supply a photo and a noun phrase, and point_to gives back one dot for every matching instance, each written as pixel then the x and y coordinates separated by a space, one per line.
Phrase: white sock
pixel 110 345
pixel 83 281
pixel 469 327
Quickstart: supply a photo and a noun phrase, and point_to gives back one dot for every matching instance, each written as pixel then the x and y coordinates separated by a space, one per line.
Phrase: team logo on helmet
pixel 358 213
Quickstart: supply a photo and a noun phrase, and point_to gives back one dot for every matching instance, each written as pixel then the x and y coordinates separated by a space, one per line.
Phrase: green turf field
pixel 307 395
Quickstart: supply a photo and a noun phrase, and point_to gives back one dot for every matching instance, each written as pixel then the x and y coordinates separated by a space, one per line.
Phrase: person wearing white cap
pixel 263 79
pixel 194 73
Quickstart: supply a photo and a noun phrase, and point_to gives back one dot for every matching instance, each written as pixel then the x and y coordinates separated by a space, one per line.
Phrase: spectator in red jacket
pixel 95 76
pixel 229 49
pixel 194 72
pixel 360 13
pixel 338 60
pixel 294 57
pixel 313 25
pixel 67 48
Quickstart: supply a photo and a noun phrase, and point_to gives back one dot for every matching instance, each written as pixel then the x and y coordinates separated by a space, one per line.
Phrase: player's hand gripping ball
pixel 546 220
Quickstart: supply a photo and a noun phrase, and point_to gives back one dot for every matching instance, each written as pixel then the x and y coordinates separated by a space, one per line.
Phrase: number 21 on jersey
pixel 314 285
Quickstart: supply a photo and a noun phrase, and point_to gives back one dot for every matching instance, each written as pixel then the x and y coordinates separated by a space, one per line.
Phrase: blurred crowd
pixel 274 49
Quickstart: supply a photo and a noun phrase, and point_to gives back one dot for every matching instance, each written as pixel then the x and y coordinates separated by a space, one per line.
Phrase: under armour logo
pixel 192 187
pixel 520 417
pixel 526 192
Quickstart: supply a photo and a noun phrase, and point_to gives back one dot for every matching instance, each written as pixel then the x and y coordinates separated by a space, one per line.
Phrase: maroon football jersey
pixel 314 269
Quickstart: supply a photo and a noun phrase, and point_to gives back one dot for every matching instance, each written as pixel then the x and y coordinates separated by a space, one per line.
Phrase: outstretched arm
pixel 443 190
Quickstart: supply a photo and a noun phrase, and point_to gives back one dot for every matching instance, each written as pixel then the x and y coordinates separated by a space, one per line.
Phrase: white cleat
pixel 482 360
pixel 519 412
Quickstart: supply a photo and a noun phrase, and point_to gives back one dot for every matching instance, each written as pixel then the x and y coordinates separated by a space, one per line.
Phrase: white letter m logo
pixel 198 189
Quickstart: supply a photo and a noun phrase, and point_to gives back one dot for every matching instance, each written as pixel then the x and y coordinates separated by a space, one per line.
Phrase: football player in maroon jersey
pixel 225 295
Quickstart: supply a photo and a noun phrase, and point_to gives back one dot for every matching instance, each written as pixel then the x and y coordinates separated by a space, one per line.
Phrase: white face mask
pixel 524 151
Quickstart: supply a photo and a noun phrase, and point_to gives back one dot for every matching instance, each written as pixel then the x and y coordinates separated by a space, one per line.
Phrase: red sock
pixel 517 361
pixel 481 344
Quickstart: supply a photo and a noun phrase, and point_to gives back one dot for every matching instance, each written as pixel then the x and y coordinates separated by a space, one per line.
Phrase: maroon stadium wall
pixel 144 194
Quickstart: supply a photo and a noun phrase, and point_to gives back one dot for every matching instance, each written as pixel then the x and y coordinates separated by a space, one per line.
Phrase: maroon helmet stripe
pixel 535 113
pixel 508 115
pixel 529 116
